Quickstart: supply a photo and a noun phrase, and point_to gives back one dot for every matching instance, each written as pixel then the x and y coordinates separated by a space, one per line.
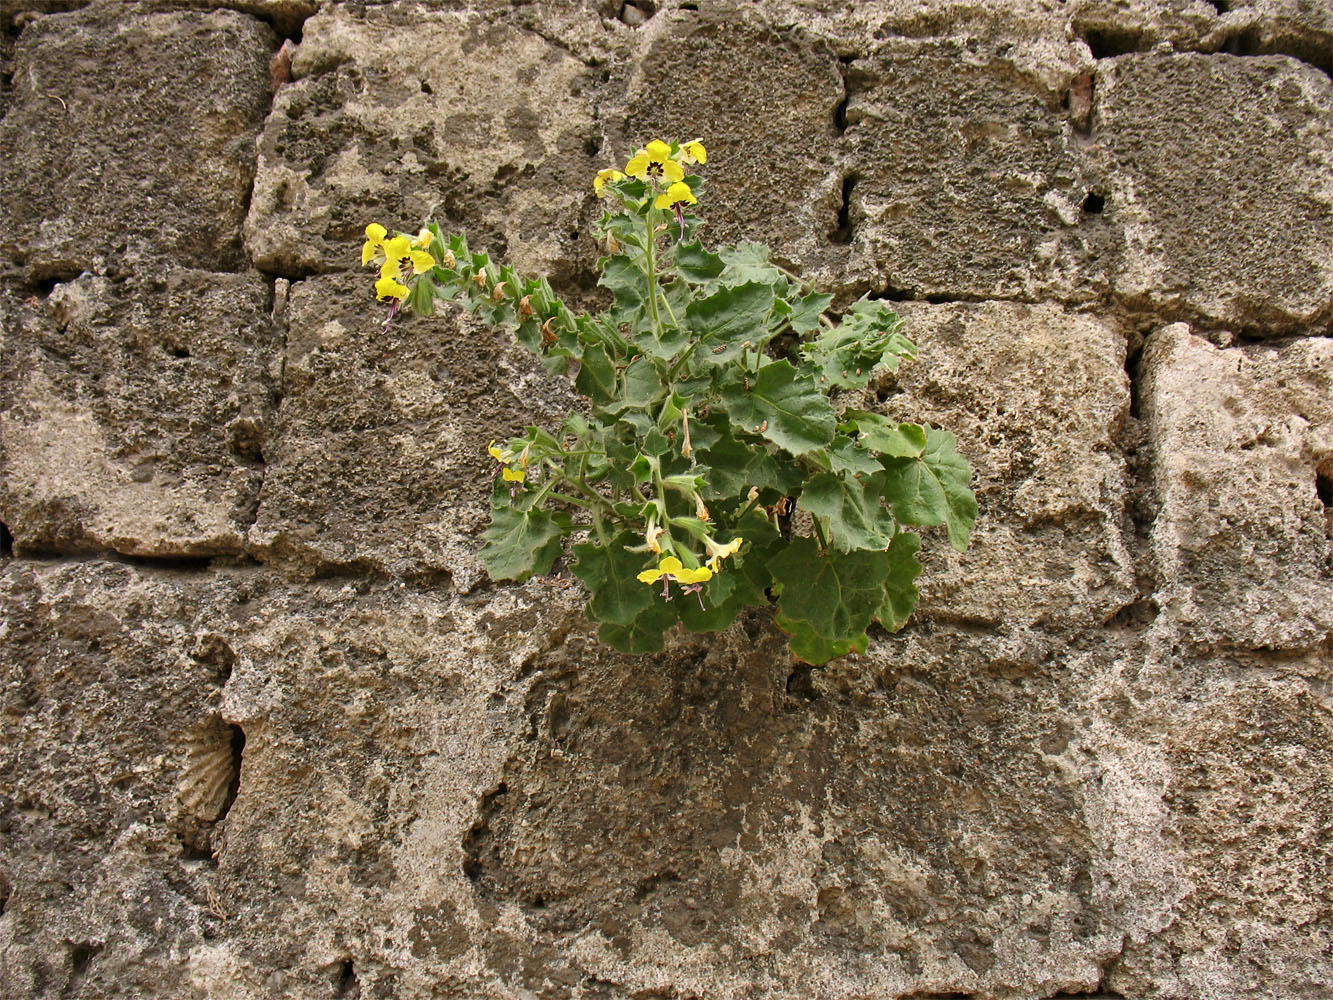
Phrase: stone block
pixel 1245 762
pixel 1220 176
pixel 1242 443
pixel 764 101
pixel 134 415
pixel 379 463
pixel 1038 398
pixel 116 772
pixel 963 174
pixel 402 114
pixel 111 160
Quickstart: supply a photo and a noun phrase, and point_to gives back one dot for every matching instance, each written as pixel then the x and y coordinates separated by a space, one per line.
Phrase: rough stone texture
pixel 1096 762
pixel 1243 462
pixel 134 415
pixel 1008 219
pixel 770 97
pixel 108 158
pixel 1207 228
pixel 1039 399
pixel 400 114
pixel 109 690
pixel 378 463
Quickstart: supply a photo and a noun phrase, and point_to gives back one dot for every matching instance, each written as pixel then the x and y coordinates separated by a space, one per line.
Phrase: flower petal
pixel 603 177
pixel 650 576
pixel 375 233
pixel 513 475
pixel 389 288
pixel 422 261
pixel 671 171
pixel 638 166
pixel 694 151
pixel 658 150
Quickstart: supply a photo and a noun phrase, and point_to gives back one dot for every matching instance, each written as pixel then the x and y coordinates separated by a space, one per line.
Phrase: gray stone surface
pixel 112 159
pixel 1095 763
pixel 379 462
pixel 399 114
pixel 110 689
pixel 1221 187
pixel 1039 400
pixel 134 416
pixel 1243 460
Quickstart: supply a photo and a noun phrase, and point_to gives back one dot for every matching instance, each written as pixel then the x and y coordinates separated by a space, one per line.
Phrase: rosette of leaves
pixel 712 385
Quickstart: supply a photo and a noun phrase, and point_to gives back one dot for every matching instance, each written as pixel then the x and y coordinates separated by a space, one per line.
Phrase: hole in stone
pixel 1132 373
pixel 1094 203
pixel 348 985
pixel 1221 6
pixel 5 892
pixel 1323 487
pixel 592 145
pixel 6 541
pixel 637 12
pixel 237 753
pixel 1107 43
pixel 799 684
pixel 179 352
pixel 689 6
pixel 80 957
pixel 426 88
pixel 842 233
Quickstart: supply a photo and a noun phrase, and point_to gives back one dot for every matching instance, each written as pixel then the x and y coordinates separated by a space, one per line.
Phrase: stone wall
pixel 267 730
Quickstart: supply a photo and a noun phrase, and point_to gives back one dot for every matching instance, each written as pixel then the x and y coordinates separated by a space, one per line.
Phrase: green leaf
pixel 867 338
pixel 836 593
pixel 900 593
pixel 933 489
pixel 597 376
pixel 643 385
pixel 731 467
pixel 695 264
pixel 646 632
pixel 845 455
pixel 856 518
pixel 746 262
pixel 881 434
pixel 806 311
pixel 520 543
pixel 610 574
pixel 730 321
pixel 781 405
pixel 810 646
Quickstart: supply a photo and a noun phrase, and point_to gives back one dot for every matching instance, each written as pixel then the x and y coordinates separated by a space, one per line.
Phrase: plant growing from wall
pixel 712 416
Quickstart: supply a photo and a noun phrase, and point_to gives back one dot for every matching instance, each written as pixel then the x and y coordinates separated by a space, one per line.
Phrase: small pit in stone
pixel 1093 203
pixel 347 984
pixel 1323 487
pixel 842 232
pixel 637 12
pixel 6 542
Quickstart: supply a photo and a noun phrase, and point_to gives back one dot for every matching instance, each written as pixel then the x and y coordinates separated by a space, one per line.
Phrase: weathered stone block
pixel 1038 398
pixel 1242 444
pixel 401 114
pixel 764 101
pixel 379 463
pixel 1244 760
pixel 110 157
pixel 115 772
pixel 134 415
pixel 1221 187
pixel 963 176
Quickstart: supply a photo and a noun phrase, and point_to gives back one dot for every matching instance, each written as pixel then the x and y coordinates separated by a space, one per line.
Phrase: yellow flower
pixel 505 457
pixel 676 196
pixel 373 248
pixel 604 177
pixel 400 259
pixel 654 161
pixel 693 152
pixel 423 239
pixel 719 552
pixel 390 289
pixel 671 568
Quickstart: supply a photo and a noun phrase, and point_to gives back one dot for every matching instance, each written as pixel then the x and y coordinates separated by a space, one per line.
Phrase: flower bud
pixel 525 306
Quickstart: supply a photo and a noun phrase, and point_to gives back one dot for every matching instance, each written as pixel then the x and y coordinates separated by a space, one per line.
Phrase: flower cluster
pixel 662 166
pixel 400 259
